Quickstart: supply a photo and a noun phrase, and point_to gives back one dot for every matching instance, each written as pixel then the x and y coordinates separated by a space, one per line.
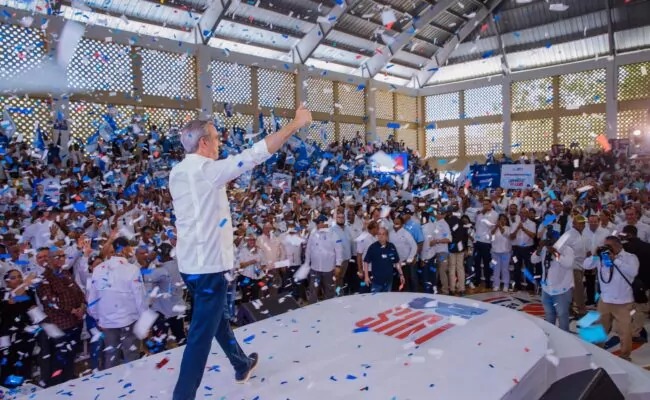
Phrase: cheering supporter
pixel 116 299
pixel 445 231
pixel 384 258
pixel 576 239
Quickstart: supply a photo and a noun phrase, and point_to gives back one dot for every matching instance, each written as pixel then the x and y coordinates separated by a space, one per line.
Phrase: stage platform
pixel 384 346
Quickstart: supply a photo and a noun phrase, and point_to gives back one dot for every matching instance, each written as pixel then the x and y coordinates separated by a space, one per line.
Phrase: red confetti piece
pixel 162 363
pixel 515 380
pixel 526 349
pixel 484 27
pixel 57 373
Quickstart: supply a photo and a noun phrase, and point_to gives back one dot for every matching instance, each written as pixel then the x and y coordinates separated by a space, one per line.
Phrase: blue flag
pixel 39 142
pixel 8 126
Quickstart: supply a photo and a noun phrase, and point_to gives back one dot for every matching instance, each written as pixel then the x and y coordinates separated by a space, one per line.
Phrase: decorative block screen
pixel 409 137
pixel 320 95
pixel 349 131
pixel 231 83
pixel 101 66
pixel 351 100
pixel 321 133
pixel 384 105
pixel 634 81
pixel 536 94
pixel 532 136
pixel 85 117
pixel 237 120
pixel 269 124
pixel 26 112
pixel 443 142
pixel 629 121
pixel 383 133
pixel 166 118
pixel 484 101
pixel 276 89
pixel 484 139
pixel 407 108
pixel 22 49
pixel 168 74
pixel 582 88
pixel 442 107
pixel 581 130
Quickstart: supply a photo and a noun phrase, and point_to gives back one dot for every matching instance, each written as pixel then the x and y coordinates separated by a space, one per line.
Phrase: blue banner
pixel 486 176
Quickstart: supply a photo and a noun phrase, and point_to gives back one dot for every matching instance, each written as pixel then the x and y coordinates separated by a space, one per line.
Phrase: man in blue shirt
pixel 383 257
pixel 412 226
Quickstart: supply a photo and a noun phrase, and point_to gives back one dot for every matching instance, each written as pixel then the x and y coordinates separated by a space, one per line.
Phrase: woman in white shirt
pixel 501 253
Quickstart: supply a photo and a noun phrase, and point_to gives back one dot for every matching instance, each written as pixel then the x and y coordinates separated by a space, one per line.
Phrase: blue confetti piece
pixel 548 45
pixel 434 69
pixel 240 164
pixel 597 296
pixel 339 2
pixel 362 329
pixel 488 54
pixel 593 334
pixel 393 125
pixel 517 34
pixel 223 222
pixel 351 377
pixel 588 319
pixel 549 219
pixel 21 298
pixel 552 195
pixel 249 339
pixel 361 87
pixel 431 125
pixel 529 275
pixel 286 66
pixel 332 378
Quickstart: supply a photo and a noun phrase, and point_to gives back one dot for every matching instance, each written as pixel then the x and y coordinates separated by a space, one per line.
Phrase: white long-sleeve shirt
pixel 484 224
pixel 428 251
pixel 323 252
pixel 557 276
pixel 363 242
pixel 203 221
pixel 292 244
pixel 345 237
pixel 617 290
pixel 594 239
pixel 252 271
pixel 501 241
pixel 521 239
pixel 576 241
pixel 441 231
pixel 407 249
pixel 116 296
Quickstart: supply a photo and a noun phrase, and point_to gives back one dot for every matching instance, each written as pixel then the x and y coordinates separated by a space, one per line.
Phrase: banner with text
pixel 517 176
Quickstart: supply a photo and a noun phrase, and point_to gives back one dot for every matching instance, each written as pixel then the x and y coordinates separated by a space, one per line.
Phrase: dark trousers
pixel 410 275
pixel 429 274
pixel 62 352
pixel 17 358
pixel 352 278
pixel 522 255
pixel 160 333
pixel 482 259
pixel 590 285
pixel 209 321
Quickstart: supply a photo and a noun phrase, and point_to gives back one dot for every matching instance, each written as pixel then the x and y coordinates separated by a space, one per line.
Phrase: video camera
pixel 605 254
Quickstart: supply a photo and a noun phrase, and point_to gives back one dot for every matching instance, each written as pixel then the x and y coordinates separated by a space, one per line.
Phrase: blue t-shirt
pixel 382 259
pixel 415 229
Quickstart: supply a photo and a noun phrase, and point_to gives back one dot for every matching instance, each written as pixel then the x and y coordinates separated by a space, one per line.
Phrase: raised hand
pixel 303 116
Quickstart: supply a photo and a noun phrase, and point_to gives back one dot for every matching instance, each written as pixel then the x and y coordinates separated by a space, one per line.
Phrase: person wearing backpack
pixel 616 269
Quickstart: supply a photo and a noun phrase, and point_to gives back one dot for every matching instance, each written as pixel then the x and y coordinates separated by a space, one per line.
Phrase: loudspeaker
pixel 258 310
pixel 584 385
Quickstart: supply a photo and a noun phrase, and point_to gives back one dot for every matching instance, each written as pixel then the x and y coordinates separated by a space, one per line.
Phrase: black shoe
pixel 243 378
pixel 640 339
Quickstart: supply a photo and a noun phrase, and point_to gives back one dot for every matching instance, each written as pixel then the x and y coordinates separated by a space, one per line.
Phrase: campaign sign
pixel 517 176
pixel 486 175
pixel 401 165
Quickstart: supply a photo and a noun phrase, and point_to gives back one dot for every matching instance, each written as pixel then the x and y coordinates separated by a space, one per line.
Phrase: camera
pixel 604 250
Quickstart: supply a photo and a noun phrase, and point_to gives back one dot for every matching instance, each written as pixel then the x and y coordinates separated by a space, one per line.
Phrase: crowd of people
pixel 88 239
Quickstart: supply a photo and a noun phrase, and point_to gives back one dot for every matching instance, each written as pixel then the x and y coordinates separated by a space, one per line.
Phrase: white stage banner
pixel 517 176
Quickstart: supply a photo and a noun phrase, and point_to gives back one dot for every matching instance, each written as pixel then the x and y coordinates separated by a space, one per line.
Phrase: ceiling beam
pixel 209 20
pixel 441 56
pixel 380 59
pixel 610 28
pixel 316 35
pixel 504 60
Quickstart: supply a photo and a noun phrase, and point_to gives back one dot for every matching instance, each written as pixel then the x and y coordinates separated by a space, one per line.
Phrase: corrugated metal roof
pixel 230 45
pixel 414 60
pixel 251 35
pixel 561 53
pixel 332 66
pixel 399 71
pixel 468 70
pixel 633 39
pixel 328 53
pixel 273 17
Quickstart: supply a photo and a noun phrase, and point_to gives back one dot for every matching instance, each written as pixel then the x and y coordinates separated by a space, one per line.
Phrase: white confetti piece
pixel 553 359
pixel 144 323
pixel 5 341
pixel 437 353
pixel 409 345
pixel 456 320
pixel 179 308
pixel 644 70
pixel 37 315
pixel 558 7
pixel 302 273
pixel 585 188
pixel 52 330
